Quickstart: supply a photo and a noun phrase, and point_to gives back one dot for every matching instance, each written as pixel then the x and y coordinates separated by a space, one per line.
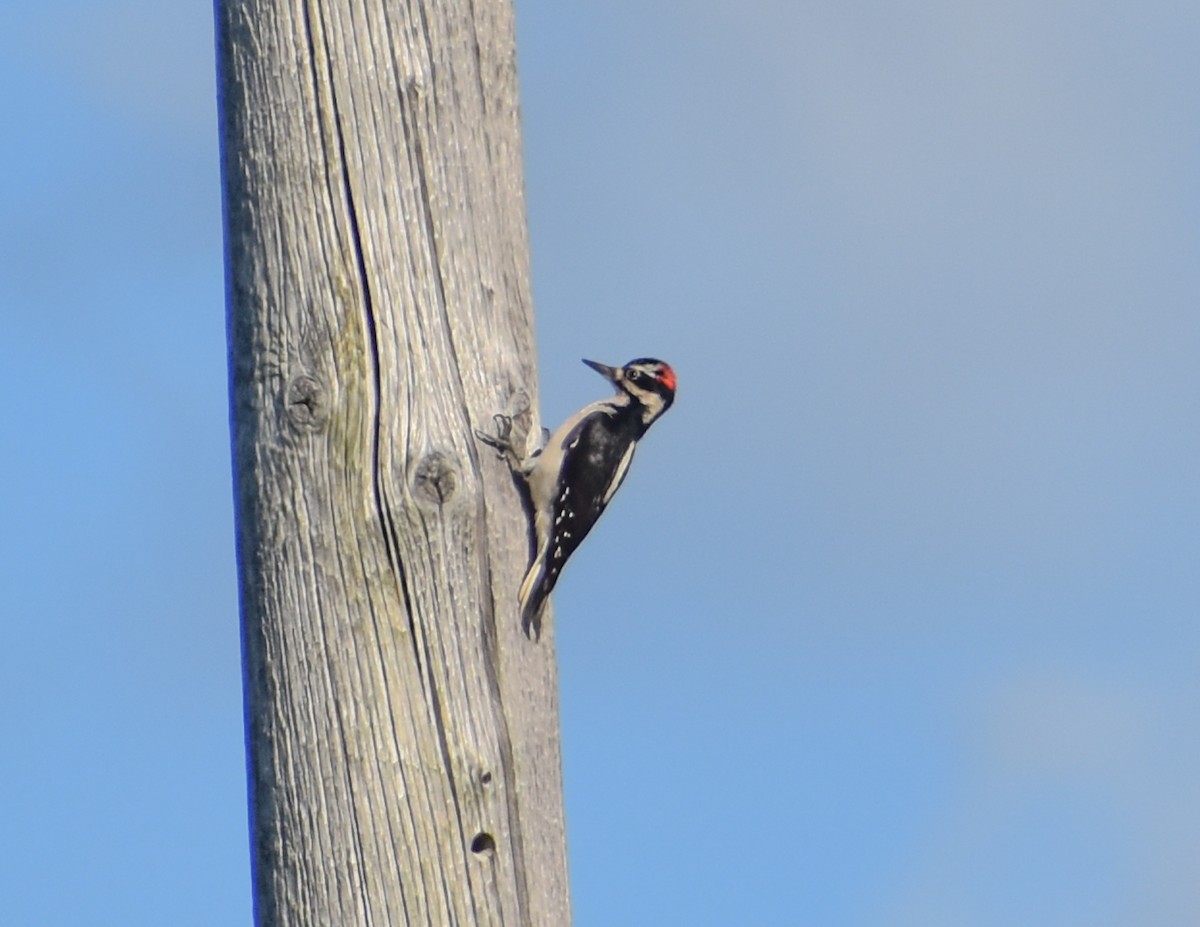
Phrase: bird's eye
pixel 634 376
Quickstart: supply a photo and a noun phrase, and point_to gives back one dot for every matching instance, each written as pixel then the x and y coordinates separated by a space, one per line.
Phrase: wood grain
pixel 403 734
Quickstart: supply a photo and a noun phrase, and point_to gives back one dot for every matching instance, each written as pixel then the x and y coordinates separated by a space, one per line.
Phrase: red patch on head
pixel 666 376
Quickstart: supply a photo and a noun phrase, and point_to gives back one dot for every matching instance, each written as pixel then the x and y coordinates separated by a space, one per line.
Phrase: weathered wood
pixel 403 735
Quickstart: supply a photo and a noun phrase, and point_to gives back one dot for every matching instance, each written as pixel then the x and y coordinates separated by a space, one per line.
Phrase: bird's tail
pixel 532 597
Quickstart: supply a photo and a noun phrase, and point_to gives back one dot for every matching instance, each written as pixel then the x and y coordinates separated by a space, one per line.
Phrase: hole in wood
pixel 483 845
pixel 486 778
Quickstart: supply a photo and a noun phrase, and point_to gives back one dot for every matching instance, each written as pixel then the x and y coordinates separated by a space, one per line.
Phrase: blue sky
pixel 918 644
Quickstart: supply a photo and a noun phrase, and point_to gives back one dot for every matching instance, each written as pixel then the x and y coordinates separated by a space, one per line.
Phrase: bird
pixel 573 476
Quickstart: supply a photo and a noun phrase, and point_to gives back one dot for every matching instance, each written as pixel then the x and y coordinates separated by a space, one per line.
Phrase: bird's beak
pixel 612 374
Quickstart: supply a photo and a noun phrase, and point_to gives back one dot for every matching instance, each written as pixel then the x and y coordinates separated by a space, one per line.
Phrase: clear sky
pixel 919 644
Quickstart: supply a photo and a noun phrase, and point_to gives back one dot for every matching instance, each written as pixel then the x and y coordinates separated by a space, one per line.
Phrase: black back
pixel 593 478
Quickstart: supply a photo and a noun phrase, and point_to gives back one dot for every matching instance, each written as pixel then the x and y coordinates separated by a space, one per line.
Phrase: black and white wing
pixel 596 454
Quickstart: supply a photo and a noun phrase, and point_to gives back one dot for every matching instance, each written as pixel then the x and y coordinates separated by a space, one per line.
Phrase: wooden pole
pixel 402 734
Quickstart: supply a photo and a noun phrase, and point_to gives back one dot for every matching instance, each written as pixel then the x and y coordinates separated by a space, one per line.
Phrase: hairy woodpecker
pixel 575 474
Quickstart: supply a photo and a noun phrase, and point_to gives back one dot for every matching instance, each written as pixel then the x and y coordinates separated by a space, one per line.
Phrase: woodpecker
pixel 574 475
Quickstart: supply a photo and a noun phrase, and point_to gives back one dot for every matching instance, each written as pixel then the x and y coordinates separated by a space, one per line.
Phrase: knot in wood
pixel 304 403
pixel 436 478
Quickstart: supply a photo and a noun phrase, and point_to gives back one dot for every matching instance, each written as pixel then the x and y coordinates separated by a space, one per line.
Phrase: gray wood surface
pixel 403 734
